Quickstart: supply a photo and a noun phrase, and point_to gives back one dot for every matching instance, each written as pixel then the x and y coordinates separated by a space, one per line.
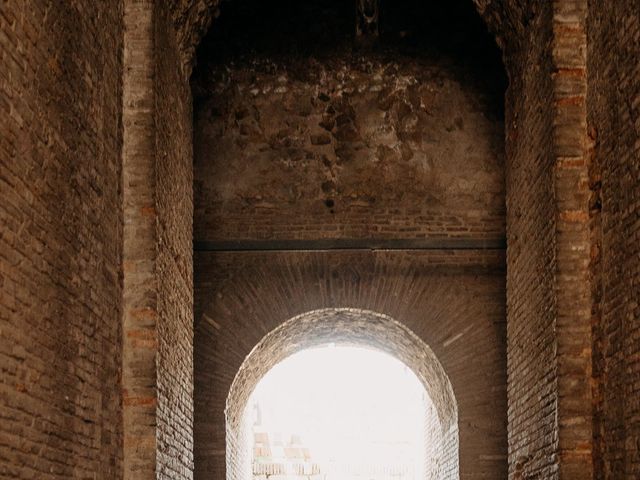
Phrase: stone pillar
pixel 573 241
pixel 140 239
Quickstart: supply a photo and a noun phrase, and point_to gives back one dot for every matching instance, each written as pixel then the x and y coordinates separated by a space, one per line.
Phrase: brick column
pixel 572 246
pixel 140 244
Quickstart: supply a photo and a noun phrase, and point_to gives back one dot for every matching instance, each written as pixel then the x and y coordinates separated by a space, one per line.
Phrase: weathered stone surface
pixel 376 146
pixel 613 79
pixel 77 214
pixel 157 181
pixel 60 240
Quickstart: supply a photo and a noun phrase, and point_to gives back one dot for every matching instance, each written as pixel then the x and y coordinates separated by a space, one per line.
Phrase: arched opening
pixel 353 327
pixel 337 410
pixel 332 173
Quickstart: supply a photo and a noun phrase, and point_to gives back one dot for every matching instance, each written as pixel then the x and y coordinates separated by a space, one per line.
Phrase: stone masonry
pixel 169 171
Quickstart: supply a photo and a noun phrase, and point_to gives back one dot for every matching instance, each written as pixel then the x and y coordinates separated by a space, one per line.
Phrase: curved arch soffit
pixel 192 19
pixel 343 326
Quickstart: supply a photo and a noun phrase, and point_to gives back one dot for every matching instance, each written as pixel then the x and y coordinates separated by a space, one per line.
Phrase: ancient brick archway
pixel 452 302
pixel 540 318
pixel 97 248
pixel 371 181
pixel 350 327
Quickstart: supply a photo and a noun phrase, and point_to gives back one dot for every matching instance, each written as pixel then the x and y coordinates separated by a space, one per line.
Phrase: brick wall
pixel 139 244
pixel 375 146
pixel 572 241
pixel 399 142
pixel 394 143
pixel 62 219
pixel 60 240
pixel 548 286
pixel 158 359
pixel 174 208
pixel 454 302
pixel 614 125
pixel 531 256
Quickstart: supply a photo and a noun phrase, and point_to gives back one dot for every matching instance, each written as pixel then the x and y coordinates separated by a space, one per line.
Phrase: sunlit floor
pixel 340 412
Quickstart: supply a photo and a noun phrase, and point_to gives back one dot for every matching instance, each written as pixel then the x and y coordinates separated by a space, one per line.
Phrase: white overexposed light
pixel 349 405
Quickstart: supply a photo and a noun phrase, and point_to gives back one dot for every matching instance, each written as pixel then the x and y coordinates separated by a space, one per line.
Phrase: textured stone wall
pixel 158 340
pixel 61 212
pixel 298 136
pixel 192 18
pixel 60 240
pixel 362 146
pixel 174 208
pixel 614 125
pixel 453 301
pixel 531 258
pixel 433 441
pixel 548 286
pixel 572 241
pixel 548 197
pixel 139 240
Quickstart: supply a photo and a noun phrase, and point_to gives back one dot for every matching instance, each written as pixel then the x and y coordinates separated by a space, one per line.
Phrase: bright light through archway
pixel 340 411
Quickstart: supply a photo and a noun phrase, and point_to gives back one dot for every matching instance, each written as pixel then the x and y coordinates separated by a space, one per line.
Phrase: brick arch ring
pixel 343 326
